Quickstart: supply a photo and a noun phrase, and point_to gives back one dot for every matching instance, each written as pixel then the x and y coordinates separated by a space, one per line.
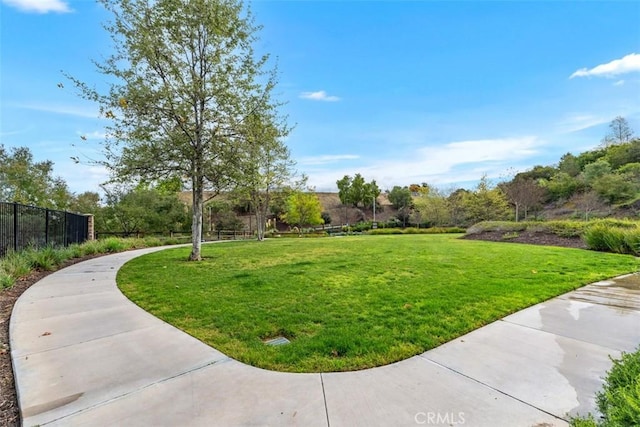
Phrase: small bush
pixel 76 251
pixel 619 401
pixel 595 239
pixel 613 238
pixel 45 259
pixel 15 265
pixel 149 242
pixel 6 281
pixel 632 241
pixel 502 226
pixel 91 247
pixel 112 244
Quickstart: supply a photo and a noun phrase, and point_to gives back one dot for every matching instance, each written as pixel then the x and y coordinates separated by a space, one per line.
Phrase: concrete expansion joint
pixel 557 334
pixel 493 388
pixel 86 341
pixel 609 304
pixel 139 389
pixel 324 397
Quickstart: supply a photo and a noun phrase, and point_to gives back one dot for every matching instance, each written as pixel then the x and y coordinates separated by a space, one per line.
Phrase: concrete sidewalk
pixel 83 354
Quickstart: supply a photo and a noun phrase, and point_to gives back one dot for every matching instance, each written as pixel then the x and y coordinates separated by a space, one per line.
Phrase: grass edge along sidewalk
pixel 353 302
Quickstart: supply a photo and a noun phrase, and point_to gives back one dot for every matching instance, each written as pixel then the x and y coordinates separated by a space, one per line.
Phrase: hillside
pixel 340 215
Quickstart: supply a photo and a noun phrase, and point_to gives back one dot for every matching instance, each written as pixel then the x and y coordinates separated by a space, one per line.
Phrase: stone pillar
pixel 91 231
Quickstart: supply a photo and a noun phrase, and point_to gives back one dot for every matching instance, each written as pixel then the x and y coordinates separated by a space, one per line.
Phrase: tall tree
pixel 569 164
pixel 431 207
pixel 371 191
pixel 31 183
pixel 344 190
pixel 356 191
pixel 400 197
pixel 619 132
pixel 266 166
pixel 141 209
pixel 184 81
pixel 524 194
pixel 595 170
pixel 303 209
pixel 86 203
pixel 587 202
pixel 485 203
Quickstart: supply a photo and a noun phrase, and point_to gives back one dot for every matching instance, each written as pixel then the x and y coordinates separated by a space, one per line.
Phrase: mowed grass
pixel 353 302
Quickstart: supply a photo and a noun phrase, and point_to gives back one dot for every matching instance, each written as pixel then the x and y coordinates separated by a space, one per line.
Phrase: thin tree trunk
pixel 260 224
pixel 196 227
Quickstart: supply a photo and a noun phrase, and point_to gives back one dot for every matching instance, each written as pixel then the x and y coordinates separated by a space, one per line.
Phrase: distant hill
pixel 340 215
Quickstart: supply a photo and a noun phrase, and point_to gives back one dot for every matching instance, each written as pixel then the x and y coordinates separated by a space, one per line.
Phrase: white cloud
pixel 579 121
pixel 319 96
pixel 453 163
pixel 627 64
pixel 619 83
pixel 39 6
pixel 326 159
pixel 77 111
pixel 82 177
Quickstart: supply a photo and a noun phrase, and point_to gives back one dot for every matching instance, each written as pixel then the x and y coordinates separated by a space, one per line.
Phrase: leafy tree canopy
pixel 303 210
pixel 22 180
pixel 184 85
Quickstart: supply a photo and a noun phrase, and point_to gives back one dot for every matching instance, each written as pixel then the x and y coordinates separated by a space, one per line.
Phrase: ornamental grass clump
pixel 617 239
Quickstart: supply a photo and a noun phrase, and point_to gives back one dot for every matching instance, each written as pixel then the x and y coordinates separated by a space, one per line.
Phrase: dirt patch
pixel 529 237
pixel 9 411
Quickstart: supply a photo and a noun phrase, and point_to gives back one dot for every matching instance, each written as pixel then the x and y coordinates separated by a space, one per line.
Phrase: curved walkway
pixel 83 354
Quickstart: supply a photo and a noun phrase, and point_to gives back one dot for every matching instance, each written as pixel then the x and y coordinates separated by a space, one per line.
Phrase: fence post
pixel 91 228
pixel 46 227
pixel 15 227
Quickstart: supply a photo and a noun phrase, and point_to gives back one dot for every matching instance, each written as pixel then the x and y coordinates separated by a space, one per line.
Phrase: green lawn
pixel 352 302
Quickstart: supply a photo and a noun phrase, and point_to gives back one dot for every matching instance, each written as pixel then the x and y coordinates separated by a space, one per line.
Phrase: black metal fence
pixel 28 226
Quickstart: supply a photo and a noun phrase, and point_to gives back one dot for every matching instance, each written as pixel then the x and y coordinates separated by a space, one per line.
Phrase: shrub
pixel 413 230
pixel 614 237
pixel 15 265
pixel 361 226
pixel 76 250
pixel 112 245
pixel 91 247
pixel 45 259
pixel 594 237
pixel 150 242
pixel 502 226
pixel 632 240
pixel 6 281
pixel 619 399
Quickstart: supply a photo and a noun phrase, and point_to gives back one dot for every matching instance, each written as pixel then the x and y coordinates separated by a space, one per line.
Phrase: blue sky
pixel 400 91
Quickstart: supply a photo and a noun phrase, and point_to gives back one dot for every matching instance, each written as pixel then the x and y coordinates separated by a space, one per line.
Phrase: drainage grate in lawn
pixel 277 341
